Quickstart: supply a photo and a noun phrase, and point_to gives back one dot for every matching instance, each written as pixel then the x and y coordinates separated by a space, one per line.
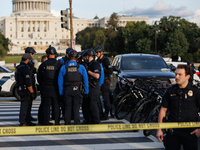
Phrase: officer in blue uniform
pixel 65 59
pixel 31 65
pixel 183 102
pixel 48 80
pixel 105 88
pixel 25 90
pixel 70 77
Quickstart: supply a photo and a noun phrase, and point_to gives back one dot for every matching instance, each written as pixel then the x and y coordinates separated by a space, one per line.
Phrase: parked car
pixel 175 64
pixel 7 83
pixel 144 66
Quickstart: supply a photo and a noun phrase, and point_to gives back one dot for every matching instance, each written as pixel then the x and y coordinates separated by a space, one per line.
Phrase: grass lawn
pixel 17 58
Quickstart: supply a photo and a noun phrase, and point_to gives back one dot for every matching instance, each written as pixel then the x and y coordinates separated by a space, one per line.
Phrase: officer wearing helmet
pixel 48 80
pixel 31 64
pixel 105 88
pixel 70 77
pixel 65 59
pixel 94 71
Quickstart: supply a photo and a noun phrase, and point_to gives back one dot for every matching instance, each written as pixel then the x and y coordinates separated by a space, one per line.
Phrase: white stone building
pixel 32 24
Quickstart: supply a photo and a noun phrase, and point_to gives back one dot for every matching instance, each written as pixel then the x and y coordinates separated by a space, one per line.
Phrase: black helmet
pixel 72 53
pixel 51 50
pixel 68 50
pixel 91 52
pixel 30 50
pixel 84 53
pixel 99 49
pixel 79 55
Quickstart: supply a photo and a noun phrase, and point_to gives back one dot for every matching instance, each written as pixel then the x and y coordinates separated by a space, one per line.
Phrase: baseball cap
pixel 27 56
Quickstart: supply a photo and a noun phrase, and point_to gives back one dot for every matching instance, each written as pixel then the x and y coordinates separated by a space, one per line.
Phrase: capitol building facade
pixel 32 24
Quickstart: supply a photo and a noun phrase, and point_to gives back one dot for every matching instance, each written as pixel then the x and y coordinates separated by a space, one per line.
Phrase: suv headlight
pixel 173 80
pixel 12 77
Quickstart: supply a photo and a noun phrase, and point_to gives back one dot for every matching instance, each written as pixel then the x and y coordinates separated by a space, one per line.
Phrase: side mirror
pixel 173 68
pixel 114 68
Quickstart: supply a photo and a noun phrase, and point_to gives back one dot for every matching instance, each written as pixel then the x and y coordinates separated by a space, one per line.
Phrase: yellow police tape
pixel 4 131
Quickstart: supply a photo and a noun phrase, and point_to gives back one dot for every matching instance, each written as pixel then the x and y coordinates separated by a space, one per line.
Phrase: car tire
pixel 16 94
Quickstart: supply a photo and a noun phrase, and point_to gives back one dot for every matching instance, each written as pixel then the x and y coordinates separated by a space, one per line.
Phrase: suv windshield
pixel 138 63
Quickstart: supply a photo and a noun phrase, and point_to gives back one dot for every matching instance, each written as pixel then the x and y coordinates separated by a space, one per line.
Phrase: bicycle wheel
pixel 136 107
pixel 115 102
pixel 124 106
pixel 141 113
pixel 152 118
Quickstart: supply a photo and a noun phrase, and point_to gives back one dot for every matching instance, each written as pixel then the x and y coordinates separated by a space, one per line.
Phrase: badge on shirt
pixel 190 93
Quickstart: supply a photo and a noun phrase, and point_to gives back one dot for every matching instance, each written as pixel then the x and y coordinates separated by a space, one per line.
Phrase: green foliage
pixel 98 34
pixel 3 45
pixel 177 44
pixel 113 22
pixel 132 33
pixel 174 35
pixel 143 45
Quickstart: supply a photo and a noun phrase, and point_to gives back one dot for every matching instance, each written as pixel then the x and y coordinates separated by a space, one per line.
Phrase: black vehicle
pixel 144 66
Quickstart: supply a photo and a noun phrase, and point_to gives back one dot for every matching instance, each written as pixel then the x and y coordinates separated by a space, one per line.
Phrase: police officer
pixel 48 79
pixel 105 88
pixel 70 77
pixel 31 65
pixel 182 100
pixel 65 59
pixel 25 90
pixel 94 71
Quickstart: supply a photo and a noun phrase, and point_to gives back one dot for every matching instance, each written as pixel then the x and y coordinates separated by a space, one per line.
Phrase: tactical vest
pixel 91 79
pixel 19 79
pixel 50 73
pixel 72 76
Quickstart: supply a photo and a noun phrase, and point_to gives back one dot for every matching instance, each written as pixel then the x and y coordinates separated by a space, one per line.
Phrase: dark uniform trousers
pixel 180 137
pixel 40 111
pixel 105 89
pixel 93 98
pixel 25 107
pixel 72 100
pixel 50 96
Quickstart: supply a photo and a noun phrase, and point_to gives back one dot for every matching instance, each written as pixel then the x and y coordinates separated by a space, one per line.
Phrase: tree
pixel 113 22
pixel 114 43
pixel 134 31
pixel 87 37
pixel 144 45
pixel 3 45
pixel 99 34
pixel 177 44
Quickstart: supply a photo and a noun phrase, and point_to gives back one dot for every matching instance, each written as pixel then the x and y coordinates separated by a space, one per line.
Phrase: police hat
pixel 27 56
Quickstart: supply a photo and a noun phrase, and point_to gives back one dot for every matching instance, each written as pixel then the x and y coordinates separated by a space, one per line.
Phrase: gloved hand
pixel 85 96
pixel 33 96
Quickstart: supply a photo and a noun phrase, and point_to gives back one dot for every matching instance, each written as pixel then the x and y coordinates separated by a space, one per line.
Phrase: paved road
pixel 9 114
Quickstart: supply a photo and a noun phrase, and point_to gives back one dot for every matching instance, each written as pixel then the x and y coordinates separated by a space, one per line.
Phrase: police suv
pixel 7 82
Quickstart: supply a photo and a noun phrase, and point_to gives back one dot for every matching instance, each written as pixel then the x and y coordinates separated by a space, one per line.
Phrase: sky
pixel 154 9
